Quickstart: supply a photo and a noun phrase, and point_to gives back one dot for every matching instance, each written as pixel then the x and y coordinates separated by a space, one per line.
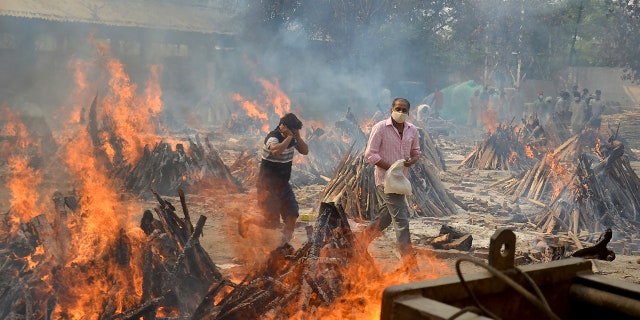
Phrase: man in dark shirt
pixel 276 199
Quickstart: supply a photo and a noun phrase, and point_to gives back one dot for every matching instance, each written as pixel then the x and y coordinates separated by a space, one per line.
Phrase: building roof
pixel 132 13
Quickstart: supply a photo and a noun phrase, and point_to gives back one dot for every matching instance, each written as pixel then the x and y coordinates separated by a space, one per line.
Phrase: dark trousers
pixel 276 199
pixel 394 210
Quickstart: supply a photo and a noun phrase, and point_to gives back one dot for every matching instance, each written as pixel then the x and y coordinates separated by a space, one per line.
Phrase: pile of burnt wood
pixel 594 190
pixel 166 169
pixel 162 167
pixel 294 283
pixel 353 187
pixel 178 278
pixel 42 278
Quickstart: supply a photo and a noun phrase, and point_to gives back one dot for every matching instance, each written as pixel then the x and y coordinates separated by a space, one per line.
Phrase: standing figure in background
pixel 473 117
pixel 276 199
pixel 578 113
pixel 563 104
pixel 538 105
pixel 437 102
pixel 391 140
pixel 597 109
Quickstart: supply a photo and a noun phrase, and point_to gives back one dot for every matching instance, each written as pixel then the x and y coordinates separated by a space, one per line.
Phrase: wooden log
pixel 463 243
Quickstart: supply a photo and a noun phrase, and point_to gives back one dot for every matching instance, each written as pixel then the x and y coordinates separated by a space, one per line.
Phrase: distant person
pixel 597 109
pixel 391 140
pixel 538 105
pixel 574 89
pixel 578 113
pixel 423 114
pixel 564 103
pixel 473 116
pixel 437 102
pixel 276 199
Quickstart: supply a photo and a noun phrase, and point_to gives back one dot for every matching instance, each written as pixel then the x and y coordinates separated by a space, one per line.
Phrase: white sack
pixel 395 180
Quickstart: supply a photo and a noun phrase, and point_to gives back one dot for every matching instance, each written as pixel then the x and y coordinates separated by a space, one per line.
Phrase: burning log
pixel 353 187
pixel 163 169
pixel 34 267
pixel 503 149
pixel 602 195
pixel 599 190
pixel 294 281
pixel 167 171
pixel 448 239
pixel 540 183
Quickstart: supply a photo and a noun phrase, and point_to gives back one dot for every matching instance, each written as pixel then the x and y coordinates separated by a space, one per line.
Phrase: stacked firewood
pixel 503 149
pixel 294 282
pixel 39 271
pixel 161 168
pixel 326 148
pixel 166 170
pixel 542 182
pixel 586 184
pixel 353 187
pixel 604 193
pixel 176 268
pixel 431 151
pixel 557 128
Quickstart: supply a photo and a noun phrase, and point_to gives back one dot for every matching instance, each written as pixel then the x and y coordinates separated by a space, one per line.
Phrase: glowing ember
pixel 529 151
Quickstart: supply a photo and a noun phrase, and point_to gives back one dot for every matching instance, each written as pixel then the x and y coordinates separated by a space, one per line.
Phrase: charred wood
pixel 293 280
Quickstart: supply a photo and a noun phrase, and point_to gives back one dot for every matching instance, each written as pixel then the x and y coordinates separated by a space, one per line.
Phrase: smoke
pixel 322 75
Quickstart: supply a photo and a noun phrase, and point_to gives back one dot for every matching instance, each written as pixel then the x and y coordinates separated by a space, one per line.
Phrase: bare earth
pixel 234 254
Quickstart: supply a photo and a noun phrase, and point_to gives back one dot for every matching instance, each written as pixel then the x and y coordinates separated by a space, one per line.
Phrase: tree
pixel 619 45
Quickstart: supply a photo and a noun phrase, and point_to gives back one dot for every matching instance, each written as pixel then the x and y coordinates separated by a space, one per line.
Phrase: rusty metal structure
pixel 564 289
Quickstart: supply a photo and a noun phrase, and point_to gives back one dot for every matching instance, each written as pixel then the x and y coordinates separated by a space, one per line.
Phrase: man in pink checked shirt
pixel 390 140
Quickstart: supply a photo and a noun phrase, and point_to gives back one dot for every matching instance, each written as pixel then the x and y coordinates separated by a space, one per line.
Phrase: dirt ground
pixel 234 254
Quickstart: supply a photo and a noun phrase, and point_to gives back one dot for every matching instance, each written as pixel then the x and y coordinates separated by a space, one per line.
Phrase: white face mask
pixel 399 117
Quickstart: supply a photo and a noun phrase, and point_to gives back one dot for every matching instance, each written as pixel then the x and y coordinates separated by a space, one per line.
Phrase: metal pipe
pixel 605 299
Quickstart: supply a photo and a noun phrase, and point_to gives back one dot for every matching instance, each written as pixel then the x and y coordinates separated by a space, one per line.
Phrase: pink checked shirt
pixel 385 144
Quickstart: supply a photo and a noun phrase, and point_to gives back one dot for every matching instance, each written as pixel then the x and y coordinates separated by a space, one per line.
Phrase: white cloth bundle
pixel 395 181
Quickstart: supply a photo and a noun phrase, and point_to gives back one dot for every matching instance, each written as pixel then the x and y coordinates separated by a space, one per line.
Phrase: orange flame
pixel 560 172
pixel 23 183
pixel 364 287
pixel 22 180
pixel 489 119
pixel 513 156
pixel 89 280
pixel 276 97
pixel 529 151
pixel 253 110
pixel 132 115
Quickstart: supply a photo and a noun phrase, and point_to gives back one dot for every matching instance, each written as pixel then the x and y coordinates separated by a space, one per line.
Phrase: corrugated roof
pixel 132 13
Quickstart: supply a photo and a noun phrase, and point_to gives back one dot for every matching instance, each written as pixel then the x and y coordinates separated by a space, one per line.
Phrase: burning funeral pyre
pixel 584 185
pixel 508 147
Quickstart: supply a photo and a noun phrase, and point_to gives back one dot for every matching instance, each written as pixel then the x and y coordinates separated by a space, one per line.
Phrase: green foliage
pixel 421 40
